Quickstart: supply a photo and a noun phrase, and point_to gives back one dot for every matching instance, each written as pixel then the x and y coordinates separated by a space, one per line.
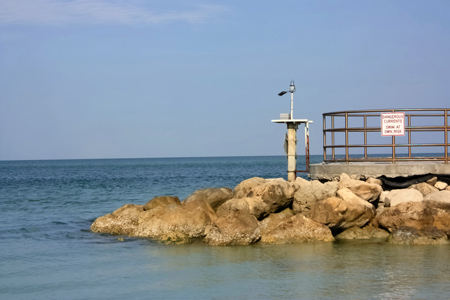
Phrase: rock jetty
pixel 274 211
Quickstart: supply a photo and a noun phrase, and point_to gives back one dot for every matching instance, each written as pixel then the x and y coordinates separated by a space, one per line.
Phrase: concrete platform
pixel 330 171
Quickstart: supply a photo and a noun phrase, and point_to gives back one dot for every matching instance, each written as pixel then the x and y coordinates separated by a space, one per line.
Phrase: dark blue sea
pixel 47 250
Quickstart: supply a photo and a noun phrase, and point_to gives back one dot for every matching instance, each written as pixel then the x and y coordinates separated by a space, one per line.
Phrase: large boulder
pixel 273 194
pixel 439 196
pixel 367 191
pixel 161 201
pixel 253 205
pixel 124 220
pixel 176 224
pixel 297 229
pixel 244 188
pixel 274 220
pixel 289 188
pixel 395 197
pixel 213 196
pixel 311 192
pixel 344 212
pixel 235 228
pixel 441 214
pixel 424 188
pixel 416 215
pixel 427 235
pixel 367 232
pixel 259 197
pixel 407 214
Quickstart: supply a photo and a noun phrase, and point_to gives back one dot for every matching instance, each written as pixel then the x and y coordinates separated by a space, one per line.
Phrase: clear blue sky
pixel 136 78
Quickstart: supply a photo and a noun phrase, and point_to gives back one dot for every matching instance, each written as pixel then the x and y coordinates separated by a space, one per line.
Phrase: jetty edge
pixel 275 211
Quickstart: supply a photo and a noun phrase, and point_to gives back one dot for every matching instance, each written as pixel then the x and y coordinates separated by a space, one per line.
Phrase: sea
pixel 47 250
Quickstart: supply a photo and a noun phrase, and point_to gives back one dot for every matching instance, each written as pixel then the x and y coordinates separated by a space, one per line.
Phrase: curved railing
pixel 355 136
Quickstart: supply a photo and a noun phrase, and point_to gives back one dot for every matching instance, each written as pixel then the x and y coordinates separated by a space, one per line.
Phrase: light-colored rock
pixel 236 228
pixel 170 223
pixel 245 187
pixel 122 221
pixel 440 196
pixel 349 197
pixel 382 198
pixel 440 185
pixel 396 197
pixel 298 229
pixel 409 214
pixel 253 205
pixel 372 180
pixel 424 188
pixel 161 201
pixel 441 215
pixel 432 181
pixel 367 232
pixel 310 192
pixel 289 188
pixel 428 235
pixel 367 191
pixel 176 224
pixel 271 192
pixel 447 188
pixel 344 212
pixel 274 220
pixel 213 196
pixel 417 215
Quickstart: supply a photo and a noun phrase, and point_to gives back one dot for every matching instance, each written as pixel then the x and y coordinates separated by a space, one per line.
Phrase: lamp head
pixel 292 87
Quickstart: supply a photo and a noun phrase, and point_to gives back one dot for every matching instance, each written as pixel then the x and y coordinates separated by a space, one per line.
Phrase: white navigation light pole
pixel 291 90
pixel 292 126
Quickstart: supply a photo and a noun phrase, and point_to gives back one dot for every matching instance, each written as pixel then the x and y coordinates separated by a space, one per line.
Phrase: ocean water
pixel 48 252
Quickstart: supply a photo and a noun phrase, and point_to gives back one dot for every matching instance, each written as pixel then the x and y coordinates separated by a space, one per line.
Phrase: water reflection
pixel 352 270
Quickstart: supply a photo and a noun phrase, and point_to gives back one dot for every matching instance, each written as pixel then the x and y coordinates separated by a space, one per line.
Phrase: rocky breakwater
pixel 275 211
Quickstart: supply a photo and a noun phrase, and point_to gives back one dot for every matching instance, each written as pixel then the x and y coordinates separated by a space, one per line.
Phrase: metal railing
pixel 436 120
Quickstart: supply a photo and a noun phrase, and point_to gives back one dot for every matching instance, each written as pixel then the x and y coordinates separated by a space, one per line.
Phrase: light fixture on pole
pixel 290 146
pixel 291 90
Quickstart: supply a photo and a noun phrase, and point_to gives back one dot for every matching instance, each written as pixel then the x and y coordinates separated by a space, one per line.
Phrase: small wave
pixel 59 223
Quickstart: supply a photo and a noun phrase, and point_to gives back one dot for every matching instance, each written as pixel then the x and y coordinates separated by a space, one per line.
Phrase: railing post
pixel 324 138
pixel 365 136
pixel 346 137
pixel 393 149
pixel 332 138
pixel 393 145
pixel 446 134
pixel 307 146
pixel 409 136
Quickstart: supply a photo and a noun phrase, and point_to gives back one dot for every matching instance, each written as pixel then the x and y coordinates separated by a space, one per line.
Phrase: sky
pixel 137 79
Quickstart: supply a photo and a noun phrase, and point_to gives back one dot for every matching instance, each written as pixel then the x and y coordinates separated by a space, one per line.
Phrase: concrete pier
pixel 329 171
pixel 413 141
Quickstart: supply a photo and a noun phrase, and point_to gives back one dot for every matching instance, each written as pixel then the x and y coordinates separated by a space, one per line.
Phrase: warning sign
pixel 393 124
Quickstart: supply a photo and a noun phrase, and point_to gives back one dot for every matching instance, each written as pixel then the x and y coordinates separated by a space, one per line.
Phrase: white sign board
pixel 393 124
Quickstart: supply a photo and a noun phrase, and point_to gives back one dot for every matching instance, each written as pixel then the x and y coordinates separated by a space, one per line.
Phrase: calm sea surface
pixel 48 252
